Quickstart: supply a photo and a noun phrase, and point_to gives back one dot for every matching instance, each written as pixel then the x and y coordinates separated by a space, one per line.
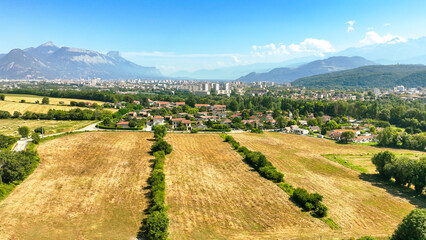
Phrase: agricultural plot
pixel 358 206
pixel 10 126
pixel 362 163
pixel 32 107
pixel 87 186
pixel 212 194
pixel 52 100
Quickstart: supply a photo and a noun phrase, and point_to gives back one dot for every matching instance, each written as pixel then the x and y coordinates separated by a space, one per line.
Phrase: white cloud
pixel 372 37
pixel 350 27
pixel 309 45
pixel 270 50
pixel 236 59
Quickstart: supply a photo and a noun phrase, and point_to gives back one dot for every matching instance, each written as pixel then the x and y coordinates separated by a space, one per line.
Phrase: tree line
pixel 52 114
pixel 156 225
pixel 308 201
pixel 404 170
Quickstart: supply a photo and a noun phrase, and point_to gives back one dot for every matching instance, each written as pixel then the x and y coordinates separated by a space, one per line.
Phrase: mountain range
pixel 285 74
pixel 411 51
pixel 375 76
pixel 48 61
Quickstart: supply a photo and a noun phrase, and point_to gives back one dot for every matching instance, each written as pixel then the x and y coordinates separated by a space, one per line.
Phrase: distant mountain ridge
pixel 376 76
pixel 48 61
pixel 284 75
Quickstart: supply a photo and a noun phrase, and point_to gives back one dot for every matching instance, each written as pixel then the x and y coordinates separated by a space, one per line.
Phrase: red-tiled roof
pixel 180 103
pixel 163 103
pixel 158 117
pixel 223 106
pixel 123 123
pixel 202 105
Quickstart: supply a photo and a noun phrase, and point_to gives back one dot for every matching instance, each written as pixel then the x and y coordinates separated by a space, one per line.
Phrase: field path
pixel 87 186
pixel 358 206
pixel 212 194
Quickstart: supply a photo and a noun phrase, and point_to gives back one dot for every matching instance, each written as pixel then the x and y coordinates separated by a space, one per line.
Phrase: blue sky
pixel 189 35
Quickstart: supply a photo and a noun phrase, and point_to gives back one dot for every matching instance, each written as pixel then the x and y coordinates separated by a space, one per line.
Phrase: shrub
pixel 161 146
pixel 310 201
pixel 157 225
pixel 6 141
pixel 160 131
pixel 24 131
pixel 36 138
pixel 412 227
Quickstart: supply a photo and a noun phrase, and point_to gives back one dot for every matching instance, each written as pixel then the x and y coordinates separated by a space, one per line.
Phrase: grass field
pixel 10 126
pixel 87 186
pixel 362 163
pixel 355 201
pixel 212 194
pixel 52 100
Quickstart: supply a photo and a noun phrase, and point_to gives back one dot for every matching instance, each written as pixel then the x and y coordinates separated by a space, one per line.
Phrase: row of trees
pixel 390 137
pixel 309 202
pixel 404 170
pixel 156 225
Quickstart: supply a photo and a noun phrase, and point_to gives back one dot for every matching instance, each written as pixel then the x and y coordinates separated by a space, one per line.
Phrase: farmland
pixel 357 205
pixel 52 100
pixel 212 194
pixel 10 126
pixel 12 103
pixel 87 186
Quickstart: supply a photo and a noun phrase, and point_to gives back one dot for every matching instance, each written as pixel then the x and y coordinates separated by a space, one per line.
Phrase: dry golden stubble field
pixel 87 186
pixel 356 204
pixel 212 194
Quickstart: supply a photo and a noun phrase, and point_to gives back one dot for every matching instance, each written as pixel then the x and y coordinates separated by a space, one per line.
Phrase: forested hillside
pixel 379 76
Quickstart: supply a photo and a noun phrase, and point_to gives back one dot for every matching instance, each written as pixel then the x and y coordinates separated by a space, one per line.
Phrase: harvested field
pixel 32 107
pixel 87 186
pixel 52 100
pixel 356 202
pixel 212 194
pixel 10 126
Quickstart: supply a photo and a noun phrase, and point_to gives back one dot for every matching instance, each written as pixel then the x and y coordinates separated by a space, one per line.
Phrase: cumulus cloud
pixel 372 37
pixel 309 45
pixel 351 26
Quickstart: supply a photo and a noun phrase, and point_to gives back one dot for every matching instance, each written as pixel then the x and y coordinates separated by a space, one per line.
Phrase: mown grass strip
pixel 345 163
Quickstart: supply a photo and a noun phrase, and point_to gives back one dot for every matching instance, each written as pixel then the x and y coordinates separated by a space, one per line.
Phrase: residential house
pixel 158 120
pixel 123 124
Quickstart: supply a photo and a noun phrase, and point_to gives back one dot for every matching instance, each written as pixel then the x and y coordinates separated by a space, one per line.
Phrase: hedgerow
pixel 157 223
pixel 308 201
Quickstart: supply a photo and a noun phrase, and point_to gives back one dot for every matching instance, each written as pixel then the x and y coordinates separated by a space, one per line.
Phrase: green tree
pixel 380 160
pixel 157 226
pixel 16 114
pixel 388 137
pixel 347 136
pixel 233 105
pixel 2 97
pixel 24 131
pixel 132 123
pixel 384 115
pixel 161 145
pixel 45 100
pixel 332 125
pixel 160 131
pixel 281 122
pixel 372 129
pixel 419 175
pixel 36 138
pixel 312 122
pixel 412 227
pixel 191 101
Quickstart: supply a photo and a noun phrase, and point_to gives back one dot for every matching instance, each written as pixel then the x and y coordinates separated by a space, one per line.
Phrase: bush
pixel 366 238
pixel 156 227
pixel 6 141
pixel 160 131
pixel 289 189
pixel 412 227
pixel 36 138
pixel 161 145
pixel 40 130
pixel 194 130
pixel 310 201
pixel 24 131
